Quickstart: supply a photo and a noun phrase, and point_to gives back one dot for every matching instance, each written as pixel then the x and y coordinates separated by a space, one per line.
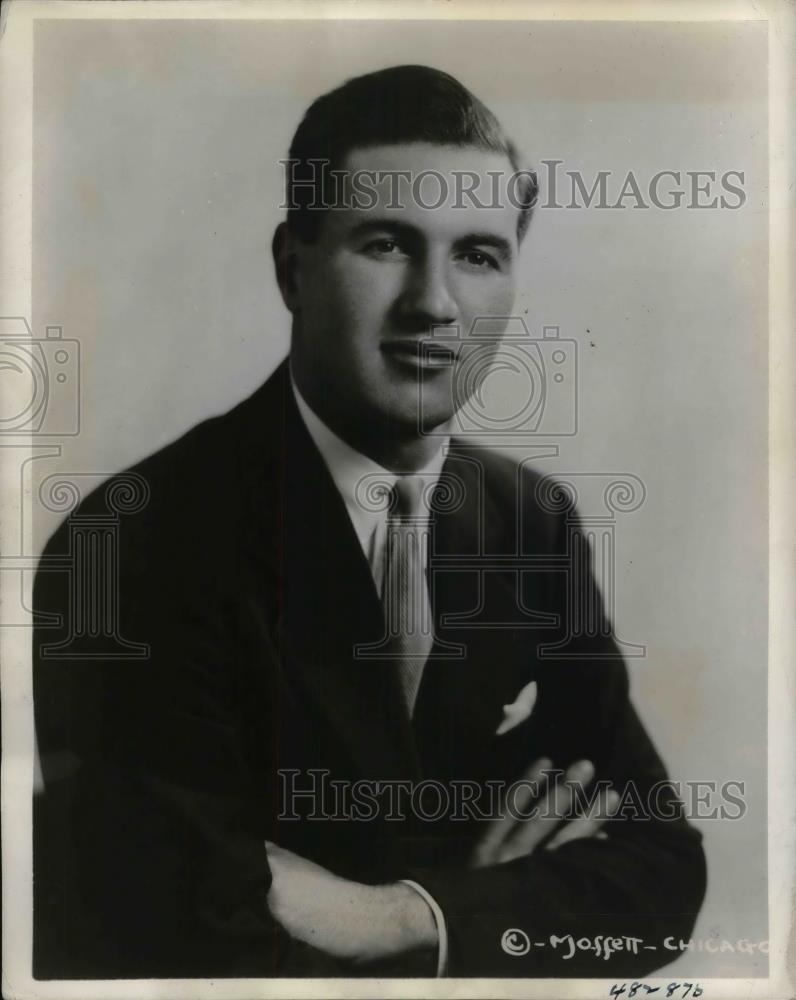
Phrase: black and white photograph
pixel 396 563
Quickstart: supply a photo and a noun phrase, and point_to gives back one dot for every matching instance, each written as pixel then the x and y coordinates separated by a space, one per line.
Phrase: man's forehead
pixel 430 185
pixel 426 156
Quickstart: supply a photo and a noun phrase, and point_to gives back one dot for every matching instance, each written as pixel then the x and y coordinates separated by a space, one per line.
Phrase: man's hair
pixel 402 104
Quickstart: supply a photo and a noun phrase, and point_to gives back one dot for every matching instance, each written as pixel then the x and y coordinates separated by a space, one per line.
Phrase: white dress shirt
pixel 347 468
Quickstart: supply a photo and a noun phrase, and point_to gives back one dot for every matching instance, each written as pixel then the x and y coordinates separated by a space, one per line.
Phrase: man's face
pixel 379 280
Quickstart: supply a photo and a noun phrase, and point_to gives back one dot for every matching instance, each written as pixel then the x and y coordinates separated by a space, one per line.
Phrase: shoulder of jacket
pixel 177 486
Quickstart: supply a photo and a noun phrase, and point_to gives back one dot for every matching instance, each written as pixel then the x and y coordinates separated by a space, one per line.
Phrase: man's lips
pixel 419 354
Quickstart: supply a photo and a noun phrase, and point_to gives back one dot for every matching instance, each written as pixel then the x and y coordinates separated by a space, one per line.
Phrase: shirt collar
pixel 348 467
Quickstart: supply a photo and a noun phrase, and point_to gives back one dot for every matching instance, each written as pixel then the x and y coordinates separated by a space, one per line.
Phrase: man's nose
pixel 427 298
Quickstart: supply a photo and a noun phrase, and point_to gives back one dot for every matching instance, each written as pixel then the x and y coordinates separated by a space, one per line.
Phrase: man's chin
pixel 418 421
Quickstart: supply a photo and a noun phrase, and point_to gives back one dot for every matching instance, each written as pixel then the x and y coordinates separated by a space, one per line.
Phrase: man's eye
pixel 478 259
pixel 385 246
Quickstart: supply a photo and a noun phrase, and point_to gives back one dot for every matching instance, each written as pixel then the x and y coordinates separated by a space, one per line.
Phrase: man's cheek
pixel 486 303
pixel 501 299
pixel 367 287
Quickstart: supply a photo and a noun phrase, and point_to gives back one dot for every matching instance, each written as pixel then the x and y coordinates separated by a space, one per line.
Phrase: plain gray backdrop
pixel 156 191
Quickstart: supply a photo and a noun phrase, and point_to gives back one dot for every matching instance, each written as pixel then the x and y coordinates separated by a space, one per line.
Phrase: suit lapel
pixel 460 701
pixel 455 703
pixel 331 605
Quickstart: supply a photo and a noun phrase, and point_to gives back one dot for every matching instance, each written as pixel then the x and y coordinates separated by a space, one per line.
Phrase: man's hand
pixel 511 836
pixel 346 919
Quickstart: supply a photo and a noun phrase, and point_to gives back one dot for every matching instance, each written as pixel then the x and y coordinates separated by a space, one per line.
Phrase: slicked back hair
pixel 399 105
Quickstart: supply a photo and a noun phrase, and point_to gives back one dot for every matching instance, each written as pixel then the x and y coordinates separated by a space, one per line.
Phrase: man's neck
pixel 389 448
pixel 395 447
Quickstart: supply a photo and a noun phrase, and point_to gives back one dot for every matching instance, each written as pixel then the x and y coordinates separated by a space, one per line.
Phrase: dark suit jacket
pixel 243 576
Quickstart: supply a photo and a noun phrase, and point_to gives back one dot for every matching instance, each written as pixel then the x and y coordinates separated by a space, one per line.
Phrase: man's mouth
pixel 418 355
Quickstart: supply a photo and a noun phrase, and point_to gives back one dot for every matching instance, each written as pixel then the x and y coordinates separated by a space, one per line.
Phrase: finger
pixel 277 862
pixel 587 826
pixel 280 858
pixel 498 830
pixel 556 804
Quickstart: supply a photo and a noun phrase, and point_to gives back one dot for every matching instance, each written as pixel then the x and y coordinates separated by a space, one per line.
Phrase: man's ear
pixel 285 263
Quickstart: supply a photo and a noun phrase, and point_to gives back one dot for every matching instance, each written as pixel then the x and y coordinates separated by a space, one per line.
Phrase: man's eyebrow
pixel 381 224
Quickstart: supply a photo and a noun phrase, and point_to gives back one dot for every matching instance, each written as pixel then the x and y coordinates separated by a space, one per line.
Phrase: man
pixel 293 576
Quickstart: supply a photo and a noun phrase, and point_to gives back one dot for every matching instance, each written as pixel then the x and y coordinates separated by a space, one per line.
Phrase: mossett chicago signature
pixel 516 942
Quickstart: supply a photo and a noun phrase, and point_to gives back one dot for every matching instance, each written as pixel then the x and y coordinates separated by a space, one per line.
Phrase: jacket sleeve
pixel 594 906
pixel 644 882
pixel 149 857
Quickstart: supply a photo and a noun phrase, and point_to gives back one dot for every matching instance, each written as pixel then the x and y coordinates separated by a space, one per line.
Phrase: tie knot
pixel 408 497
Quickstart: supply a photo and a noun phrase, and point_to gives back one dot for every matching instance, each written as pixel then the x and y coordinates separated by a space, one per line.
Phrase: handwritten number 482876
pixel 678 990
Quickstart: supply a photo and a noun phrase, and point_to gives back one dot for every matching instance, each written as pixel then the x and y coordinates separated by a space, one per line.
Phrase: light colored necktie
pixel 405 599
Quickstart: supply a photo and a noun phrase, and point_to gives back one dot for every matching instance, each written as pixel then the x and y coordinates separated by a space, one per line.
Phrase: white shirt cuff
pixel 439 920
